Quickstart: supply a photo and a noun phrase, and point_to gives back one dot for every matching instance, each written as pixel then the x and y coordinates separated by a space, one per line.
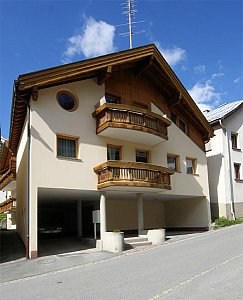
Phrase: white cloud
pixel 237 80
pixel 173 55
pixel 96 38
pixel 217 75
pixel 200 69
pixel 205 95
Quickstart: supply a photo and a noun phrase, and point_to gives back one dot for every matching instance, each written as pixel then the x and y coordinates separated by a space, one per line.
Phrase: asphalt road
pixel 208 266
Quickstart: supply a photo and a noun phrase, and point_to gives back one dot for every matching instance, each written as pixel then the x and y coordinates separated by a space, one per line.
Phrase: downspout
pixel 28 174
pixel 232 208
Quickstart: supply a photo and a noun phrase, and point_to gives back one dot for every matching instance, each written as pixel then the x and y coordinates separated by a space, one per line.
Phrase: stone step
pixel 137 244
pixel 135 239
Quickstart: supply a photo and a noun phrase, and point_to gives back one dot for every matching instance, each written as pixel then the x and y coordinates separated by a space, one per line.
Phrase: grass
pixel 224 222
pixel 2 217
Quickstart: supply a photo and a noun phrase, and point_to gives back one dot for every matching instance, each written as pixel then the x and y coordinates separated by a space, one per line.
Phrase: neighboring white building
pixel 117 133
pixel 225 160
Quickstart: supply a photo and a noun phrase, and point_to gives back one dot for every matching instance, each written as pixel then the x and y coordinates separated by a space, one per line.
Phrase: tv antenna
pixel 129 10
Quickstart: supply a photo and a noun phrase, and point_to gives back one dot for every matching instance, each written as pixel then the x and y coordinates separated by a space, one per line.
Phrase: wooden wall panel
pixel 135 90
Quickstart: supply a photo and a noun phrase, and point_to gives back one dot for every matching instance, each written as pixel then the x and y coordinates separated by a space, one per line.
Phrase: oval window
pixel 67 101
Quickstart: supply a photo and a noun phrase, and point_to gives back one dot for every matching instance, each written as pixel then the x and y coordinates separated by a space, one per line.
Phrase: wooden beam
pixel 34 93
pixel 175 101
pixel 143 66
pixel 103 75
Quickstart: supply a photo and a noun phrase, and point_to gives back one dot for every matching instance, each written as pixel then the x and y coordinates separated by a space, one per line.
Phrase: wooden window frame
pixel 237 167
pixel 181 120
pixel 177 161
pixel 194 165
pixel 115 146
pixel 234 140
pixel 72 95
pixel 148 154
pixel 67 137
pixel 173 117
pixel 176 119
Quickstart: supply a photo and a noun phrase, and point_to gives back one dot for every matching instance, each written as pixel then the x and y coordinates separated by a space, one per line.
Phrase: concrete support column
pixel 140 213
pixel 102 215
pixel 9 221
pixel 33 223
pixel 79 218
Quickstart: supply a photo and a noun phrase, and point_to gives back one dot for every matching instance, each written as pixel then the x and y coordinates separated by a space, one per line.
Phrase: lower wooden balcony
pixel 116 174
pixel 8 205
pixel 131 123
pixel 8 179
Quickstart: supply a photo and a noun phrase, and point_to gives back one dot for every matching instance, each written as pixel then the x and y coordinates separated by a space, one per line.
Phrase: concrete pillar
pixel 79 218
pixel 140 213
pixel 102 215
pixel 32 243
pixel 9 220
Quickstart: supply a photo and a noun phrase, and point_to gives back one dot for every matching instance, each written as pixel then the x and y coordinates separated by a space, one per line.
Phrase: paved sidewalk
pixel 24 268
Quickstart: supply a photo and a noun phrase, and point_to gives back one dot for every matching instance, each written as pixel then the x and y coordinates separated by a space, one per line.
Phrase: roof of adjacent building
pixel 223 111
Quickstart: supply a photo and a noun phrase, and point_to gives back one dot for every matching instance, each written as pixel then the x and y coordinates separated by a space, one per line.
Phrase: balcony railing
pixel 8 205
pixel 9 175
pixel 120 173
pixel 130 117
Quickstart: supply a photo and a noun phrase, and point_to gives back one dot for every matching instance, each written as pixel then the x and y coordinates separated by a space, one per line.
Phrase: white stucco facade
pixel 54 179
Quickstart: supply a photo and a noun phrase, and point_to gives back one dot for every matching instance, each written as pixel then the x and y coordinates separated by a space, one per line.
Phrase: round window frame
pixel 70 94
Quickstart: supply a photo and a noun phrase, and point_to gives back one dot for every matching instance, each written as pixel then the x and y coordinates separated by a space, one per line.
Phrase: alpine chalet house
pixel 225 160
pixel 8 184
pixel 117 134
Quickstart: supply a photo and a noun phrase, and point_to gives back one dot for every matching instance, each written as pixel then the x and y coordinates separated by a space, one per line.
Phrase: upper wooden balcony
pixel 131 123
pixel 8 178
pixel 119 175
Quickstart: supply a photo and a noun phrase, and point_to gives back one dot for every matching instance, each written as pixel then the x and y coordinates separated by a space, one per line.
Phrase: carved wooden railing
pixel 130 117
pixel 8 205
pixel 10 173
pixel 120 173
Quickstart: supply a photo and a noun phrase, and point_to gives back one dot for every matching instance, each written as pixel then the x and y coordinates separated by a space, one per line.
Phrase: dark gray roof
pixel 222 111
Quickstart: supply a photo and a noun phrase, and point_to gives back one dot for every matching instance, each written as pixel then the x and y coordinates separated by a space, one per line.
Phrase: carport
pixel 65 220
pixel 71 210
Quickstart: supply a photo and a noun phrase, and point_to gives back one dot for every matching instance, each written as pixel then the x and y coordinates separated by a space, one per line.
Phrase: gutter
pixel 232 207
pixel 28 169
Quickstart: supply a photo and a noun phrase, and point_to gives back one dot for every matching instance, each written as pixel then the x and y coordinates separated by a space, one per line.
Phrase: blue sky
pixel 201 40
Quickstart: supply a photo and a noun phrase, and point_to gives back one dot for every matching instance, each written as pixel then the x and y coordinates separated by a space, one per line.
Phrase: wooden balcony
pixel 131 174
pixel 8 179
pixel 8 205
pixel 131 123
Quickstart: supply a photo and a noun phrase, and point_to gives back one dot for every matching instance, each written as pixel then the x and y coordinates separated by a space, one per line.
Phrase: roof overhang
pixel 27 85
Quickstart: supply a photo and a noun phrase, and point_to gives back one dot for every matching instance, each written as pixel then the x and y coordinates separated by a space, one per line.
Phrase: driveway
pixel 11 246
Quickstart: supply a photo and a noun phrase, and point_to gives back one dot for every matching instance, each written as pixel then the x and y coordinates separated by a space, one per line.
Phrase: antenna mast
pixel 129 10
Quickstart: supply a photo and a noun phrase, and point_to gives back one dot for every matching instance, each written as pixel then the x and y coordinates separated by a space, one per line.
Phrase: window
pixel 113 152
pixel 112 99
pixel 142 156
pixel 191 165
pixel 234 140
pixel 173 117
pixel 173 162
pixel 67 101
pixel 237 171
pixel 182 125
pixel 67 146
